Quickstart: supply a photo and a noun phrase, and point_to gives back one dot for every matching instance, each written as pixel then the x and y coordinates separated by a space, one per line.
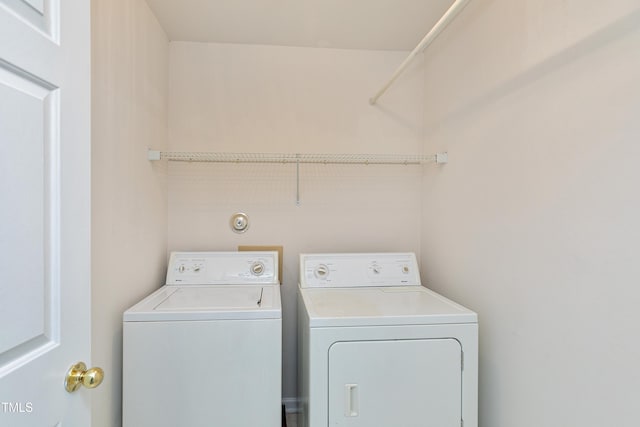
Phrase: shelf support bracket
pixel 298 180
pixel 153 154
pixel 442 158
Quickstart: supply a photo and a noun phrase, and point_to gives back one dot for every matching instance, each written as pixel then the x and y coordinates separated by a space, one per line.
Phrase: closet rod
pixel 449 15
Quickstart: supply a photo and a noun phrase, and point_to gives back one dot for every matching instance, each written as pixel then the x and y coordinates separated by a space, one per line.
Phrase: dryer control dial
pixel 321 271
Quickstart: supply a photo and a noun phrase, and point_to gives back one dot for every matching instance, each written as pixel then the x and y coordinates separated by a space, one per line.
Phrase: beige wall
pixel 238 98
pixel 533 223
pixel 129 196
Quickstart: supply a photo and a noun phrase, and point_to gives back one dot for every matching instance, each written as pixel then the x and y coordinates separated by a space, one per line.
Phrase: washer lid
pixel 380 306
pixel 180 303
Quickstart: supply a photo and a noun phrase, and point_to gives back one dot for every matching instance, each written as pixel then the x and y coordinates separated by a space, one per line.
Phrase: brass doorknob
pixel 78 375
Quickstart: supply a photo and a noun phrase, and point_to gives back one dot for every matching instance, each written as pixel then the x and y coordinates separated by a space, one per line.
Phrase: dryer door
pixel 408 383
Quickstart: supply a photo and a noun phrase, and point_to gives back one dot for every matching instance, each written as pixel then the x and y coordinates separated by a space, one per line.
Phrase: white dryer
pixel 205 349
pixel 377 349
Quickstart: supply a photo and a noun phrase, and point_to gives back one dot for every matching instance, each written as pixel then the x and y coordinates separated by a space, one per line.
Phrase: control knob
pixel 321 271
pixel 257 268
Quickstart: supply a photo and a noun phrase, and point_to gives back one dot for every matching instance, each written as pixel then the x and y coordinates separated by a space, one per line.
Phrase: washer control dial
pixel 257 268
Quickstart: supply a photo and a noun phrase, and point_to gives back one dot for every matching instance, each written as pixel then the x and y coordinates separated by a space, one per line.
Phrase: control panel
pixel 222 268
pixel 358 270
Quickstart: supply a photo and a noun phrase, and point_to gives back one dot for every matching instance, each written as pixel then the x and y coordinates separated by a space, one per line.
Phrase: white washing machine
pixel 205 349
pixel 377 349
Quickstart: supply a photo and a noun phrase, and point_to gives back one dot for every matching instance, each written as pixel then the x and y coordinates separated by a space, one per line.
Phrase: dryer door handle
pixel 351 400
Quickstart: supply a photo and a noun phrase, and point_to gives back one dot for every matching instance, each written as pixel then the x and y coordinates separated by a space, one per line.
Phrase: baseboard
pixel 291 405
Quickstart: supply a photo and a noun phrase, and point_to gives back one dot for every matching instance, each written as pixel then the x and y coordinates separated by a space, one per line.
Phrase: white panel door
pixel 404 383
pixel 44 209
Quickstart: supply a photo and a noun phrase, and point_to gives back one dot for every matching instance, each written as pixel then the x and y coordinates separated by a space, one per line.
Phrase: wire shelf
pixel 364 159
pixel 297 159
